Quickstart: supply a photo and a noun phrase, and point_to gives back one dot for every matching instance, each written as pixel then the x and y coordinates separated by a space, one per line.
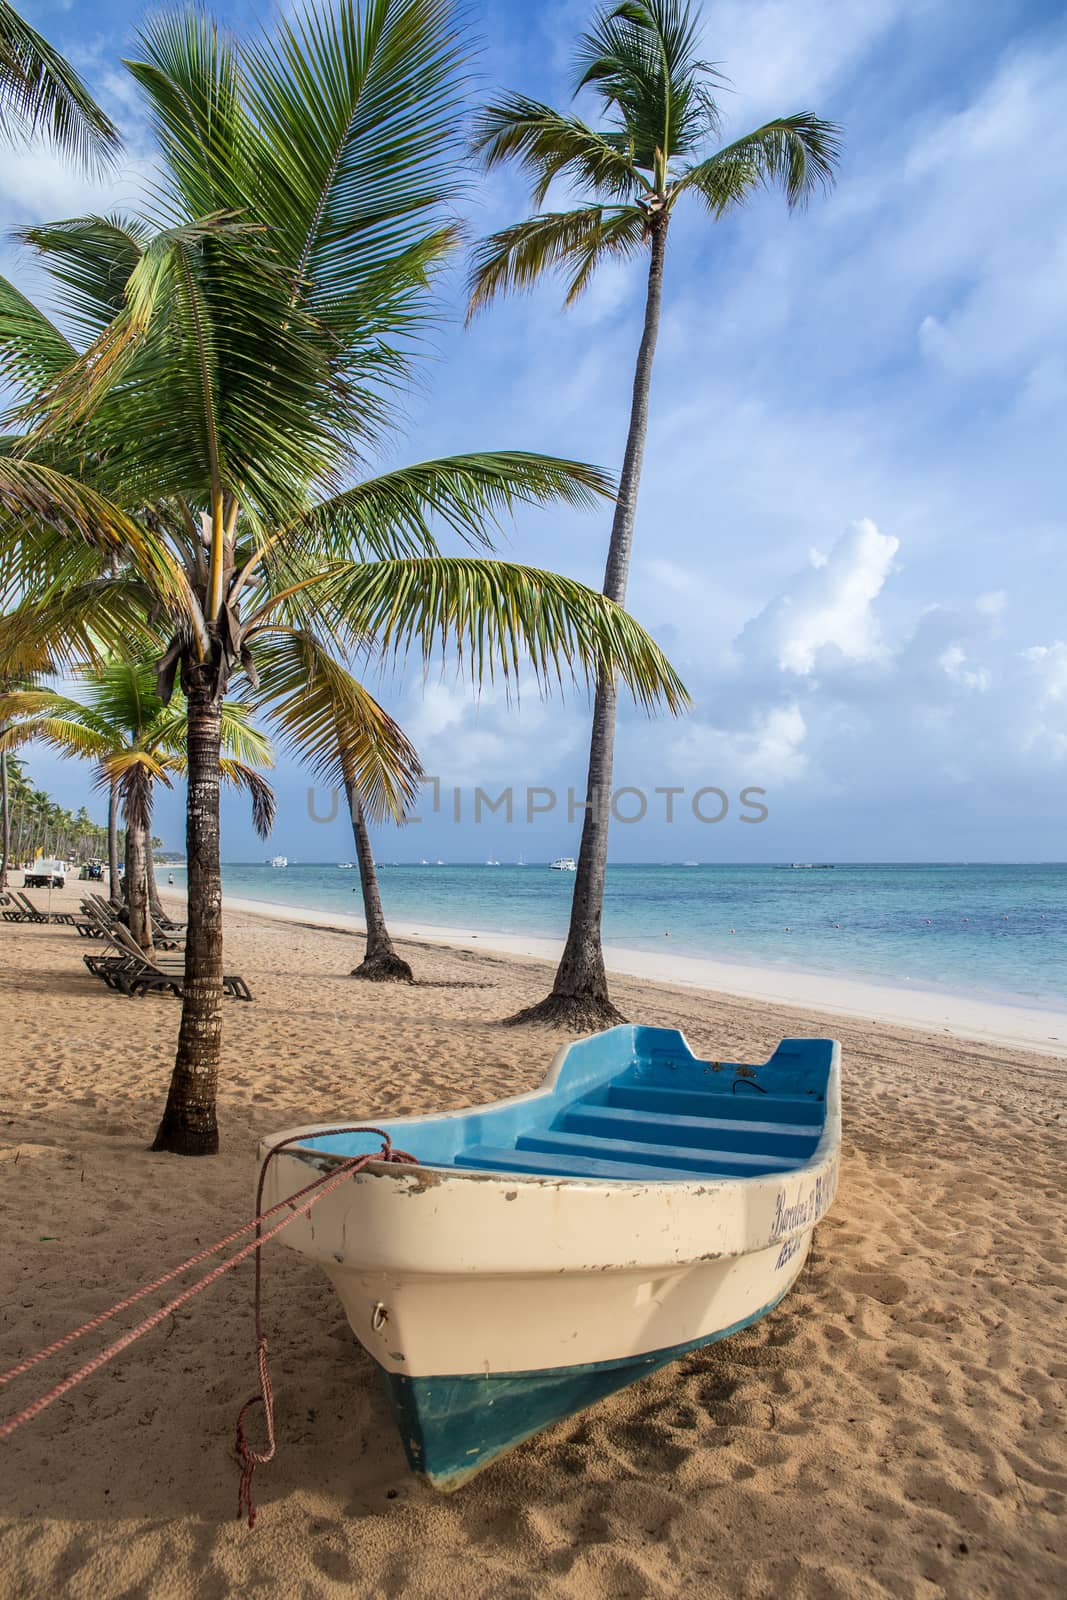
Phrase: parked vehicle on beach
pixel 45 873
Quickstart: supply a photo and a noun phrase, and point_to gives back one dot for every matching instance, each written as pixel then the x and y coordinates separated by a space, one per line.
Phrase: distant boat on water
pixel 563 864
pixel 812 866
pixel 278 861
pixel 492 863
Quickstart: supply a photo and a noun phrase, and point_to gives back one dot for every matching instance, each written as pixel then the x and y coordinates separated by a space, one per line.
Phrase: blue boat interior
pixel 633 1104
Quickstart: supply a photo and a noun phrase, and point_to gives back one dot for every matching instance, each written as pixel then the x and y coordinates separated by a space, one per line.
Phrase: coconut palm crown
pixel 641 60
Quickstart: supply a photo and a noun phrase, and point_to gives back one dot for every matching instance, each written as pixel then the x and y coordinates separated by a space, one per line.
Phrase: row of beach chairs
pixel 128 969
pixel 20 908
pixel 99 916
pixel 123 966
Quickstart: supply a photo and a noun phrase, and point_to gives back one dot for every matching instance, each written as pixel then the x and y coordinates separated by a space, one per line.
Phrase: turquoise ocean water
pixel 998 932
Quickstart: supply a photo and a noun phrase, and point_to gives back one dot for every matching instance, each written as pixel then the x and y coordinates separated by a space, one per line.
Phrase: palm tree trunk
pixel 113 844
pixel 5 821
pixel 190 1126
pixel 380 961
pixel 579 997
pixel 155 904
pixel 137 888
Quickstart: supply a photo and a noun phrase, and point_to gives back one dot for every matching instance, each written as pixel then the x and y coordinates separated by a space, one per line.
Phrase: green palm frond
pixel 518 257
pixel 393 514
pixel 81 626
pixel 501 617
pixel 122 694
pixel 264 801
pixel 326 718
pixel 91 259
pixel 31 489
pixel 241 739
pixel 32 349
pixel 70 736
pixel 40 93
pixel 642 59
pixel 189 74
pixel 548 145
pixel 797 154
pixel 356 109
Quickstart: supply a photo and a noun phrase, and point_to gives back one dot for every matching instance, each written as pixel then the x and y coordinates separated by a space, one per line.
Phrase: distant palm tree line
pixel 119 722
pixel 37 823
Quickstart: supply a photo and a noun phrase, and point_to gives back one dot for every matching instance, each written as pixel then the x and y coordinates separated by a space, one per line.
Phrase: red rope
pixel 249 1457
pixel 319 1188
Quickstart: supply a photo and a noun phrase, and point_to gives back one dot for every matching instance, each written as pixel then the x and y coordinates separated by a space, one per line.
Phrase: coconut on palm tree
pixel 192 457
pixel 641 60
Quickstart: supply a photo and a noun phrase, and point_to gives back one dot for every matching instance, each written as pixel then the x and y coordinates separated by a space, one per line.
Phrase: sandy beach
pixel 894 1429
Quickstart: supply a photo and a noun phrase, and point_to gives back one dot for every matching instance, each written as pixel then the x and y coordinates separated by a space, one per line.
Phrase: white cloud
pixel 1050 667
pixel 766 752
pixel 1045 722
pixel 466 738
pixel 954 662
pixel 827 606
pixel 782 57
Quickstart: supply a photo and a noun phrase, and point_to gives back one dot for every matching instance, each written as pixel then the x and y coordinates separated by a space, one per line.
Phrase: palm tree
pixel 195 457
pixel 380 963
pixel 19 669
pixel 136 741
pixel 641 60
pixel 320 711
pixel 41 93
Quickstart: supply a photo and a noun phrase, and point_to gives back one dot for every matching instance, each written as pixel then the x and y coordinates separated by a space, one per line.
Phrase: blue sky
pixel 851 535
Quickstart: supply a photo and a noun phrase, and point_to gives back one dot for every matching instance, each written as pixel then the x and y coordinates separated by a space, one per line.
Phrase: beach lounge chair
pixel 32 913
pixel 131 971
pixel 98 918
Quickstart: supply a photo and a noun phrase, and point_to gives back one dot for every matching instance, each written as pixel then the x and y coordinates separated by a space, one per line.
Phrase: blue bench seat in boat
pixel 796 1139
pixel 580 1154
pixel 747 1106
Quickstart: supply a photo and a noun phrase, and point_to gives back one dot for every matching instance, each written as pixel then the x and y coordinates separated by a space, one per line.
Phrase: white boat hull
pixel 497 1302
pixel 478 1274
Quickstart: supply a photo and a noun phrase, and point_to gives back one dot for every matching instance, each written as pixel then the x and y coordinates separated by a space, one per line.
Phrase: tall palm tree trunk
pixel 380 961
pixel 137 911
pixel 5 821
pixel 579 997
pixel 113 844
pixel 190 1126
pixel 155 904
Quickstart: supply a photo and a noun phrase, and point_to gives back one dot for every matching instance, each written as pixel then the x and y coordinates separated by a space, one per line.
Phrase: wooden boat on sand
pixel 549 1249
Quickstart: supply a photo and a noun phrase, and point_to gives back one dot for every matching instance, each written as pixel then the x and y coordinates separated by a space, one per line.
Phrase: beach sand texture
pixel 895 1428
